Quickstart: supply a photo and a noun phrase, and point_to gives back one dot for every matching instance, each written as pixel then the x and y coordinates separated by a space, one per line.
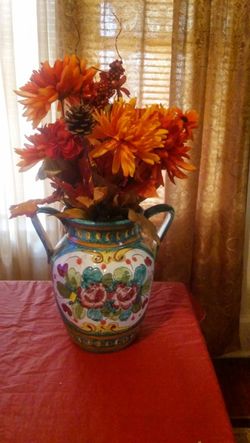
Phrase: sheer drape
pixel 25 40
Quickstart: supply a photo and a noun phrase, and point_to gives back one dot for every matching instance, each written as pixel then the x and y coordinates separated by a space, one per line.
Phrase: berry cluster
pixel 110 83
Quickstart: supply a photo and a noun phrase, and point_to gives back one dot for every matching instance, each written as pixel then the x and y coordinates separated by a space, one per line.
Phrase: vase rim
pixel 86 222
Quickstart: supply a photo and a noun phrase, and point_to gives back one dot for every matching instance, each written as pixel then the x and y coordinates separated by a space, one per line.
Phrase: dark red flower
pixel 53 141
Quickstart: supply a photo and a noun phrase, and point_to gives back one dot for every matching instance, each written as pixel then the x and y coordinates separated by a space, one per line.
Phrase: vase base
pixel 101 343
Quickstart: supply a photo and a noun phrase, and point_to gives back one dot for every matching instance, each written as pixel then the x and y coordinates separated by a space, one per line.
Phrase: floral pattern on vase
pixel 100 297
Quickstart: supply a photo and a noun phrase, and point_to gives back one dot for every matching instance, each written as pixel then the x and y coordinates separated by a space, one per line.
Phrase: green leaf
pixel 108 310
pixel 63 290
pixel 136 307
pixel 146 287
pixel 73 278
pixel 115 315
pixel 107 279
pixel 122 274
pixel 140 274
pixel 91 275
pixel 94 314
pixel 78 310
pixel 125 315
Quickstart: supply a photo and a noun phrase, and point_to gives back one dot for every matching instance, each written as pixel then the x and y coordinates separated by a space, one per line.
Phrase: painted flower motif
pixel 124 296
pixel 94 296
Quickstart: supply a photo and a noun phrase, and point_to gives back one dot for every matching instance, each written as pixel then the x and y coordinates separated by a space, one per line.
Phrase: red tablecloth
pixel 161 389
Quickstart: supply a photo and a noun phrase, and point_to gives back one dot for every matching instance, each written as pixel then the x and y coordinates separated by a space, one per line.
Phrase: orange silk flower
pixel 65 79
pixel 127 135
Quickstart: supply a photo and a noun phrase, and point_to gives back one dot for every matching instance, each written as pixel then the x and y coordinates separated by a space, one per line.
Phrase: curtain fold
pixel 22 48
pixel 223 174
pixel 210 70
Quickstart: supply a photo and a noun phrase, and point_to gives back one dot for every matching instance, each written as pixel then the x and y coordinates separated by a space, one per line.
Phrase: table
pixel 161 389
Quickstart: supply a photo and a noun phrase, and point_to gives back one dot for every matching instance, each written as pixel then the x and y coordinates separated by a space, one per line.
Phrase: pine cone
pixel 79 119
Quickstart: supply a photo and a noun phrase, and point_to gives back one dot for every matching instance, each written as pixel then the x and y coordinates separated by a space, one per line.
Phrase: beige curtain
pixel 191 54
pixel 25 40
pixel 211 70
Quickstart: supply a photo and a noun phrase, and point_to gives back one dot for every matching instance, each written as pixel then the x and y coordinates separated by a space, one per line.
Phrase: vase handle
pixel 157 209
pixel 41 232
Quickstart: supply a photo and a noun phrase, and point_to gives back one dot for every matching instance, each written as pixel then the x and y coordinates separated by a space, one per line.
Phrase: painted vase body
pixel 102 275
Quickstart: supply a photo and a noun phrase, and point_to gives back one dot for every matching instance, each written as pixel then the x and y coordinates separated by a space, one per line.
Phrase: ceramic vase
pixel 102 275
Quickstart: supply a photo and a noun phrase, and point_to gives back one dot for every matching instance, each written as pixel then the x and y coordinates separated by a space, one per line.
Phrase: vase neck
pixel 103 235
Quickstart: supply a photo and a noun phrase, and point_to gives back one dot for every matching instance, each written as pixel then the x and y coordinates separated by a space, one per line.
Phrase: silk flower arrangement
pixel 103 155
